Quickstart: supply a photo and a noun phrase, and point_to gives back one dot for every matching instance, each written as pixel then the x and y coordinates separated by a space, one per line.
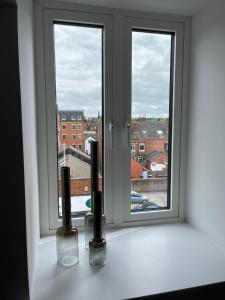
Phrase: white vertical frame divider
pixel 164 26
pixel 117 24
pixel 51 15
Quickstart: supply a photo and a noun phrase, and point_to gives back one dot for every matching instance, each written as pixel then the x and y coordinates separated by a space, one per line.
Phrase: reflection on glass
pixel 78 69
pixel 151 65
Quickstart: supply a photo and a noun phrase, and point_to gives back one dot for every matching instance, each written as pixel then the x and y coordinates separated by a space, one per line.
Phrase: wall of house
pixel 206 162
pixel 13 220
pixel 26 62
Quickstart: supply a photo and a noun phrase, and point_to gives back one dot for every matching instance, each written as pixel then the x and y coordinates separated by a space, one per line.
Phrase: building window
pixel 132 147
pixel 63 126
pixel 152 46
pixel 166 147
pixel 142 147
pixel 74 146
pixel 140 159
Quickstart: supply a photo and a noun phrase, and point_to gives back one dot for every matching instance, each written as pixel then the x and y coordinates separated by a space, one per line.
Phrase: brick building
pixel 148 137
pixel 71 127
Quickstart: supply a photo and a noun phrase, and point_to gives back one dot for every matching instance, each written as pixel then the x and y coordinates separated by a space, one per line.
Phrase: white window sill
pixel 140 261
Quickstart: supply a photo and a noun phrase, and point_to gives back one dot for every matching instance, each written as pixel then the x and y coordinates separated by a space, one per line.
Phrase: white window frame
pixel 139 147
pixel 140 159
pixel 62 117
pixel 117 109
pixel 133 147
pixel 73 136
pixel 64 136
pixel 47 140
pixel 178 29
pixel 74 127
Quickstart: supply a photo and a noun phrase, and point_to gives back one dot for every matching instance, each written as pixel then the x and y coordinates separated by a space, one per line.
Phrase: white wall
pixel 206 151
pixel 26 61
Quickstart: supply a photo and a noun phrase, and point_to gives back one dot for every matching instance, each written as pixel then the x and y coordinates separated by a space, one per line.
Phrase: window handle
pixel 128 133
pixel 111 128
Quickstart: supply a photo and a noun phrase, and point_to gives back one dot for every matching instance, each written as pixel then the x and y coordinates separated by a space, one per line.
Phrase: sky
pixel 78 64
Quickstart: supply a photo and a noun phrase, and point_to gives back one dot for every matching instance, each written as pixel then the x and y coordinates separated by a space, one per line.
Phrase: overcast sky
pixel 79 76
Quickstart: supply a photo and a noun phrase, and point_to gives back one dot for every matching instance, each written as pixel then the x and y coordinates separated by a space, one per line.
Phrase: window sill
pixel 140 261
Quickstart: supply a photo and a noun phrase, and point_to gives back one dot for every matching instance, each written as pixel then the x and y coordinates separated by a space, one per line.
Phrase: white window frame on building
pixel 62 117
pixel 63 126
pixel 73 126
pixel 140 159
pixel 141 145
pixel 118 26
pixel 133 145
pixel 64 136
pixel 73 136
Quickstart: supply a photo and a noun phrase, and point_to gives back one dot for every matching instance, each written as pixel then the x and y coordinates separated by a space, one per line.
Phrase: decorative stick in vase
pixel 97 245
pixel 89 217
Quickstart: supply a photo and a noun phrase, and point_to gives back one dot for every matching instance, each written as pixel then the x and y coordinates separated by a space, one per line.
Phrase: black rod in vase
pixel 94 171
pixel 97 216
pixel 66 201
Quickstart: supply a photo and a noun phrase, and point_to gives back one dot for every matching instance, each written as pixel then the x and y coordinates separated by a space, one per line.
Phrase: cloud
pixel 78 56
pixel 150 74
pixel 78 68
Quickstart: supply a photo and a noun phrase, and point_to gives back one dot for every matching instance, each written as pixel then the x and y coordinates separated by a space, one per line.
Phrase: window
pixel 141 147
pixel 127 88
pixel 63 126
pixel 140 159
pixel 166 147
pixel 132 147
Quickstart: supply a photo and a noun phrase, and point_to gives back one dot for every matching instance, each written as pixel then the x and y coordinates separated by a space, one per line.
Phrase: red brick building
pixel 150 136
pixel 136 169
pixel 71 128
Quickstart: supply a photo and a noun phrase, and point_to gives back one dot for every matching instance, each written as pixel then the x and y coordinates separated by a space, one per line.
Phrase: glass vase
pixel 67 246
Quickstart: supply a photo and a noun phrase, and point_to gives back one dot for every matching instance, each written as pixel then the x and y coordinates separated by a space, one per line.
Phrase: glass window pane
pixel 150 134
pixel 78 68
